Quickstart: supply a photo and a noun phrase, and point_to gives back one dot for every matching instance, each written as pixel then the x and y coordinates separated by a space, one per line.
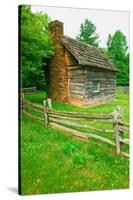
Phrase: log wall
pixel 81 80
pixel 76 76
pixel 107 80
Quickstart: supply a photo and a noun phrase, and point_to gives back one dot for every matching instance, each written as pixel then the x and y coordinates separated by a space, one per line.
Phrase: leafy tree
pixel 117 50
pixel 35 45
pixel 88 33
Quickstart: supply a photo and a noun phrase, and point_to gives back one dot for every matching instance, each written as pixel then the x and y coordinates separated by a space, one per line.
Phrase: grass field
pixel 52 161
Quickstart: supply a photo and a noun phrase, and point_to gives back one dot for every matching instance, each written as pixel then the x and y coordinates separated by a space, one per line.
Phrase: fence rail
pixel 29 90
pixel 71 121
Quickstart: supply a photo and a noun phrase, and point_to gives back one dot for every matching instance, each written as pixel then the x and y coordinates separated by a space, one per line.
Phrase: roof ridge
pixel 77 41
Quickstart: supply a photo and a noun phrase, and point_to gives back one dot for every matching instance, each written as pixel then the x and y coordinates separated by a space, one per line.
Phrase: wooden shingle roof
pixel 86 54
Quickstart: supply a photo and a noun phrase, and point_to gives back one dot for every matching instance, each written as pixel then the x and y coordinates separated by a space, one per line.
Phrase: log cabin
pixel 78 73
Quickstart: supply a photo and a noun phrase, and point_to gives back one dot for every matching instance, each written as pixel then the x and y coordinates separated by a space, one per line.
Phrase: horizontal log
pixel 122 128
pixel 104 121
pixel 32 116
pixel 74 68
pixel 65 117
pixel 74 80
pixel 123 123
pixel 100 75
pixel 80 119
pixel 78 125
pixel 79 92
pixel 30 89
pixel 102 80
pixel 124 140
pixel 76 88
pixel 125 154
pixel 35 105
pixel 76 75
pixel 80 115
pixel 76 84
pixel 100 70
pixel 82 134
pixel 35 109
pixel 76 71
pixel 70 131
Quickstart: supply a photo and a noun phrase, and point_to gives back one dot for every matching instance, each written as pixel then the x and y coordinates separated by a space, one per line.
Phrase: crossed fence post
pixel 118 114
pixel 47 107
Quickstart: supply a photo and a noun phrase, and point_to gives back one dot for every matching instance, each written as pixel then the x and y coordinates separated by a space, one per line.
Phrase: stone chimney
pixel 57 65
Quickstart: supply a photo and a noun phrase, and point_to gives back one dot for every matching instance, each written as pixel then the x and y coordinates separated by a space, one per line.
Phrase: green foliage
pixel 88 33
pixel 117 50
pixel 35 46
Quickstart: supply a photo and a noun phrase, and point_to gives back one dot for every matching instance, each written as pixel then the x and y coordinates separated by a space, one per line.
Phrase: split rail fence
pixel 29 90
pixel 70 121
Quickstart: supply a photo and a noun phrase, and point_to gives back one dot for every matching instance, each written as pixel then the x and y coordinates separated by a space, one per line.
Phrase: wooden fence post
pixel 22 100
pixel 117 117
pixel 49 104
pixel 45 112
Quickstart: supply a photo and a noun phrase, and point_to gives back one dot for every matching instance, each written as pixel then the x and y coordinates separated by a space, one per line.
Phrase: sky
pixel 106 21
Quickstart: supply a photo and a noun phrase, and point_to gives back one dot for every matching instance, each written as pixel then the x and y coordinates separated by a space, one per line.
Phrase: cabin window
pixel 96 86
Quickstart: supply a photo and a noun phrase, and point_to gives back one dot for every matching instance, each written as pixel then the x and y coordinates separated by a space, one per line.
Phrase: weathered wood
pixel 82 134
pixel 35 109
pixel 124 129
pixel 76 97
pixel 124 140
pixel 80 119
pixel 76 84
pixel 29 89
pixel 106 115
pixel 81 115
pixel 32 116
pixel 125 154
pixel 22 100
pixel 103 80
pixel 73 68
pixel 117 114
pixel 71 131
pixel 78 125
pixel 35 105
pixel 70 60
pixel 74 77
pixel 76 88
pixel 77 71
pixel 64 117
pixel 107 85
pixel 49 104
pixel 74 91
pixel 45 112
pixel 123 123
pixel 107 121
pixel 74 80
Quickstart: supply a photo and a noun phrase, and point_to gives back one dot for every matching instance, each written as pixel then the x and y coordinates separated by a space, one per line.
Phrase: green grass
pixel 52 161
pixel 121 100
